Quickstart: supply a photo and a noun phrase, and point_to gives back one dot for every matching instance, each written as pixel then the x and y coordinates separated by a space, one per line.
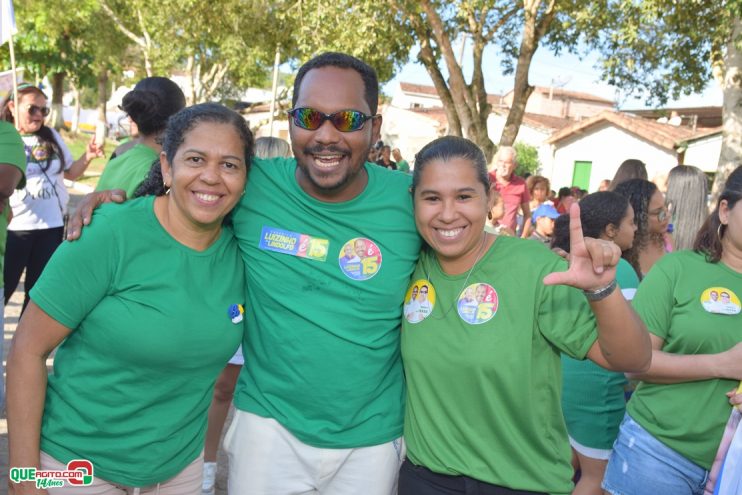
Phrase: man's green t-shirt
pixel 12 153
pixel 152 324
pixel 127 171
pixel 682 301
pixel 325 285
pixel 483 368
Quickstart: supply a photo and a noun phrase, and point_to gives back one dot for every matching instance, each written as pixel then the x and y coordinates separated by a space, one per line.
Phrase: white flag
pixel 7 21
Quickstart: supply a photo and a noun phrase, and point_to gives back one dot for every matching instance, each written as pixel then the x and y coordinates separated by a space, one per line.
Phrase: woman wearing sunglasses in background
pixel 39 209
pixel 652 220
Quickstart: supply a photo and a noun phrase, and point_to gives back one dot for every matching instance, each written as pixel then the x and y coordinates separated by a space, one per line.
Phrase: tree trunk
pixel 75 126
pixel 483 108
pixel 191 92
pixel 101 125
pixel 533 30
pixel 56 119
pixel 731 145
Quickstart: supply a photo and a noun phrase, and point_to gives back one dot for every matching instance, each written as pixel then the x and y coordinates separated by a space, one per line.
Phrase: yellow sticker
pixel 419 301
pixel 720 300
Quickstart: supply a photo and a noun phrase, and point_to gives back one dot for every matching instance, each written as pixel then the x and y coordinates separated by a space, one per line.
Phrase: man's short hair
pixel 342 61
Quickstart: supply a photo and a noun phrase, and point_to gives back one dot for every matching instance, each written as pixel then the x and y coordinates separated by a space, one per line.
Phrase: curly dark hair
pixel 179 125
pixel 639 192
pixel 597 211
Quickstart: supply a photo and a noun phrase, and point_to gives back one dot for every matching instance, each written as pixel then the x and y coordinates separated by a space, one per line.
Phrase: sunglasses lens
pixel 348 120
pixel 33 110
pixel 308 118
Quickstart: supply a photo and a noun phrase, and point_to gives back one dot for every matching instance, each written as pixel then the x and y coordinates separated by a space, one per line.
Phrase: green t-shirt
pixel 593 398
pixel 127 171
pixel 675 301
pixel 323 322
pixel 403 166
pixel 12 153
pixel 151 330
pixel 483 369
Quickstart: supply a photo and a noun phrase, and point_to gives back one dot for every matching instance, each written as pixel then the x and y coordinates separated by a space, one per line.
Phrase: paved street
pixel 12 312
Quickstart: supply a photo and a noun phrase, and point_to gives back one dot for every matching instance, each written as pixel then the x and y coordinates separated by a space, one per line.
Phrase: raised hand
pixel 592 262
pixel 93 150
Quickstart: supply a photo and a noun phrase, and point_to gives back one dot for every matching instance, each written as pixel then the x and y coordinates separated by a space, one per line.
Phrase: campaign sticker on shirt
pixel 236 312
pixel 293 243
pixel 360 258
pixel 720 300
pixel 477 303
pixel 419 301
pixel 37 153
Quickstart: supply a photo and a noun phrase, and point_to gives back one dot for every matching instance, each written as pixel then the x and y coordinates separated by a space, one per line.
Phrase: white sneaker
pixel 207 488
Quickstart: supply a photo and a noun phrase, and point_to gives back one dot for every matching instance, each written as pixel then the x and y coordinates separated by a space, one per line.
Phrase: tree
pixel 435 24
pixel 68 48
pixel 528 162
pixel 660 49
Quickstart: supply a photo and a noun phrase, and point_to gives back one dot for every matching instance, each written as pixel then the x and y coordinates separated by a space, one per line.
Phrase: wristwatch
pixel 601 293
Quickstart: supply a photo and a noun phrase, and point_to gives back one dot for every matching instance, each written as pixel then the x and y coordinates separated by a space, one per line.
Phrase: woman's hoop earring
pixel 718 230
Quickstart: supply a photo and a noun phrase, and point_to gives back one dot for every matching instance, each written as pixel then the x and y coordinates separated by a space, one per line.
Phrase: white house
pixel 703 150
pixel 411 129
pixel 534 131
pixel 592 150
pixel 413 96
pixel 559 102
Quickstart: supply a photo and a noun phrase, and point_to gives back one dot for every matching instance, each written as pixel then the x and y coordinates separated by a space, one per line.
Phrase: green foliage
pixel 528 161
pixel 661 49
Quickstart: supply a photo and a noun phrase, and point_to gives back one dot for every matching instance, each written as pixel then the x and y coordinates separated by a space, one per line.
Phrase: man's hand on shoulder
pixel 84 211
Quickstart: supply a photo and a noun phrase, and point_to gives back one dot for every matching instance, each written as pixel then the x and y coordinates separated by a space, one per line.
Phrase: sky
pixel 565 70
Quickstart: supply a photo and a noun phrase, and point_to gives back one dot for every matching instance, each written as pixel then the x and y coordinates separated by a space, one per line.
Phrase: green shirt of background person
pixel 12 176
pixel 149 105
pixel 402 164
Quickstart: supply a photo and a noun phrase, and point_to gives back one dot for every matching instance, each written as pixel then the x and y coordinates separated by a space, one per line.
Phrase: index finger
pixel 575 227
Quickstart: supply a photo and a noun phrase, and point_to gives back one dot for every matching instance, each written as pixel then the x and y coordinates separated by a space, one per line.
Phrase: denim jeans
pixel 640 464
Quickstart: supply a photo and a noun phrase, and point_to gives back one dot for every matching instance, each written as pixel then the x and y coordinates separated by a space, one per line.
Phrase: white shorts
pixel 600 454
pixel 238 358
pixel 266 459
pixel 186 482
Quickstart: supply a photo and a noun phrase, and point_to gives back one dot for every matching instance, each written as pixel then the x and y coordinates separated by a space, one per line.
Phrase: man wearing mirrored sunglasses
pixel 320 399
pixel 319 403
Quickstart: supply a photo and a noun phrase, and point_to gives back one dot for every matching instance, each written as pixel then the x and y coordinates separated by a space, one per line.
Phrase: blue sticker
pixel 235 313
pixel 293 243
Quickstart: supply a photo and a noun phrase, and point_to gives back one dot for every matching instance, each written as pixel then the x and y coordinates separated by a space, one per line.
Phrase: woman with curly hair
pixel 651 218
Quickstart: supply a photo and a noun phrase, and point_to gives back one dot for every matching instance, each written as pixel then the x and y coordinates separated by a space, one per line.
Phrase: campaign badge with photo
pixel 720 300
pixel 419 301
pixel 477 303
pixel 360 258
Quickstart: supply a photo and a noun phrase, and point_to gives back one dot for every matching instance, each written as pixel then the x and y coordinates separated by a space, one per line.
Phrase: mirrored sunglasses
pixel 34 109
pixel 344 120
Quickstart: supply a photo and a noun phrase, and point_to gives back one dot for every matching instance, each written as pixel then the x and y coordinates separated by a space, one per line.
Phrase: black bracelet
pixel 601 293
